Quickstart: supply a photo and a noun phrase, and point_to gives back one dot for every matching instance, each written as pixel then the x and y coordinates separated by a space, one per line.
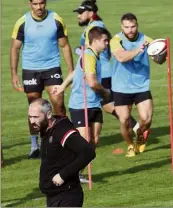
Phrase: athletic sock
pixel 133 122
pixel 34 142
pixel 114 114
pixel 136 127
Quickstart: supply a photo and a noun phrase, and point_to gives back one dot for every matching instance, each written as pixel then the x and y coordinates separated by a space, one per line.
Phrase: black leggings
pixel 71 198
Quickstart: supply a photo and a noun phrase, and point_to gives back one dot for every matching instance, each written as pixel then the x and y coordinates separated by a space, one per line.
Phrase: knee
pixel 124 119
pixel 146 120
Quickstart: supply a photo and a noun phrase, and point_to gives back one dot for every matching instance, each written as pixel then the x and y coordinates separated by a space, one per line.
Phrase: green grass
pixel 143 181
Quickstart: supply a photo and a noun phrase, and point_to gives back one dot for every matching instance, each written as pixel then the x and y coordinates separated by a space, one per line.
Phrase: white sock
pixel 34 142
pixel 136 127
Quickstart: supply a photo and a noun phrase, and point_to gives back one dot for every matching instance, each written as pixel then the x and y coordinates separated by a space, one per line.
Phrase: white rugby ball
pixel 156 47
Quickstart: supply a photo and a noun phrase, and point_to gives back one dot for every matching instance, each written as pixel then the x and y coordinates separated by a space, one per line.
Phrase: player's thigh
pixel 77 117
pixel 96 128
pixel 78 120
pixel 96 120
pixel 109 107
pixel 56 100
pixel 33 95
pixel 144 105
pixel 32 84
pixel 123 104
pixel 83 132
pixel 145 109
pixel 123 112
pixel 52 76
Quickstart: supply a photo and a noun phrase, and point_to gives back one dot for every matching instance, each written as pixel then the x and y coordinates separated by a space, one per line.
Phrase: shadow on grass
pixel 102 176
pixel 158 132
pixel 167 146
pixel 153 137
pixel 110 139
pixel 14 160
pixel 34 195
pixel 14 145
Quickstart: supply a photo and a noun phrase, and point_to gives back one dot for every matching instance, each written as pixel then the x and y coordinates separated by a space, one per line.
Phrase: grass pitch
pixel 143 181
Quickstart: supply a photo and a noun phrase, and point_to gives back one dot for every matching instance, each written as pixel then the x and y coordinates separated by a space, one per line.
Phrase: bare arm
pixel 120 53
pixel 96 86
pixel 61 88
pixel 68 80
pixel 123 56
pixel 64 44
pixel 14 60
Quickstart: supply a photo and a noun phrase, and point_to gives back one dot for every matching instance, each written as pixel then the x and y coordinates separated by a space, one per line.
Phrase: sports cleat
pixel 34 154
pixel 140 148
pixel 131 151
pixel 140 144
pixel 141 140
pixel 146 134
pixel 83 179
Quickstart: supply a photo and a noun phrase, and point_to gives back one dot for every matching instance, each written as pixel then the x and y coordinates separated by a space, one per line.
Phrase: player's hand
pixel 57 180
pixel 16 83
pixel 57 89
pixel 142 47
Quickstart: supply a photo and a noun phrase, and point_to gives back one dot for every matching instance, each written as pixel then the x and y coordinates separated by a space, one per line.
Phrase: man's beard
pixel 84 23
pixel 135 36
pixel 43 126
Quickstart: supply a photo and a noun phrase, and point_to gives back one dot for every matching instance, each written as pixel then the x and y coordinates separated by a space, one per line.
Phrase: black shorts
pixel 70 198
pixel 106 83
pixel 35 81
pixel 78 116
pixel 129 99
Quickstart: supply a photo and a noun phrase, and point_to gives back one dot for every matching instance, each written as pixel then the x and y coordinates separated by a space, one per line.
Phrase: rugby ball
pixel 156 47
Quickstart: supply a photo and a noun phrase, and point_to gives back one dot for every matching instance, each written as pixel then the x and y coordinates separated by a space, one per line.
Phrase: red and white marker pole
pixel 86 117
pixel 170 95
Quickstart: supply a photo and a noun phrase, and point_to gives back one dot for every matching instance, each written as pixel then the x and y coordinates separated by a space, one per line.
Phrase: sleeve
pixel 84 154
pixel 61 27
pixel 18 31
pixel 90 63
pixel 86 34
pixel 63 130
pixel 115 43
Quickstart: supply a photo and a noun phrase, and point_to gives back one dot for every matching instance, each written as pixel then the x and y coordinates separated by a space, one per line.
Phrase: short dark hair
pixel 97 32
pixel 128 16
pixel 31 1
